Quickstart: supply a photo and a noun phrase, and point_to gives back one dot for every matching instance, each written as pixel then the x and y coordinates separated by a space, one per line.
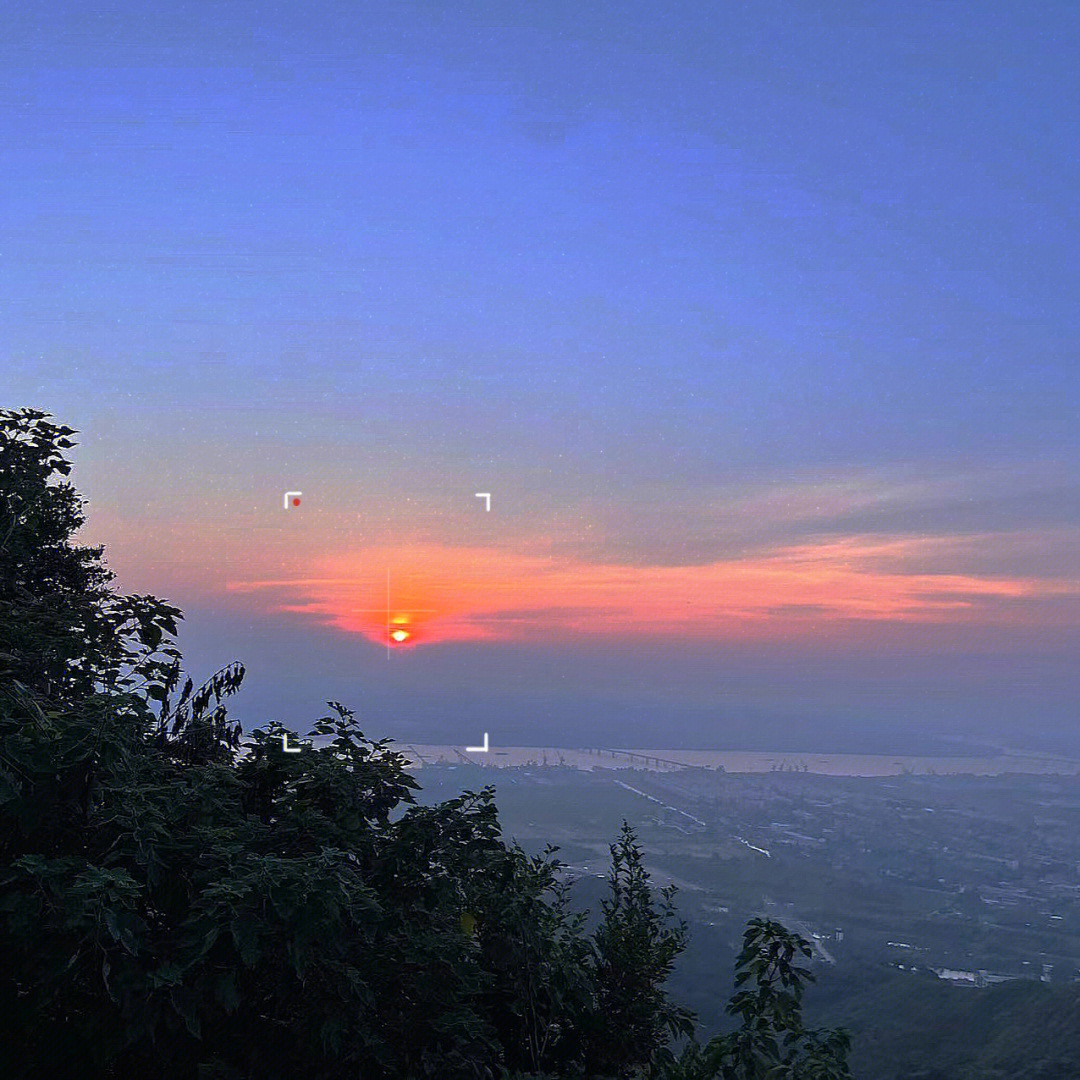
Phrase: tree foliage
pixel 771 1041
pixel 177 900
pixel 637 943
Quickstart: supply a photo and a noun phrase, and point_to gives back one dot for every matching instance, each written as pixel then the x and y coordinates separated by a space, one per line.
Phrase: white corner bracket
pixel 287 748
pixel 478 749
pixel 290 495
pixel 486 496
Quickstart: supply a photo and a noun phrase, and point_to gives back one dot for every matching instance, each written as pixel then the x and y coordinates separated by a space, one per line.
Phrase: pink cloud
pixel 442 593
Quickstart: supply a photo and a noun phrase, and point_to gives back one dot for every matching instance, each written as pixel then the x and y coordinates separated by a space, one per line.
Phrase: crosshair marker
pixel 292 498
pixel 478 749
pixel 486 495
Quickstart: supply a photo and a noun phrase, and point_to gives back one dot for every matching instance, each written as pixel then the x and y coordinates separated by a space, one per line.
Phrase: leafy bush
pixel 178 902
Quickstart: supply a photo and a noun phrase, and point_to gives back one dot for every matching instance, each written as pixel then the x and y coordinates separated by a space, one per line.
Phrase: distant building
pixel 961 978
pixel 982 977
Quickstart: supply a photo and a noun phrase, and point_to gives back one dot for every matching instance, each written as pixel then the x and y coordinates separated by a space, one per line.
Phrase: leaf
pixel 226 993
pixel 167 975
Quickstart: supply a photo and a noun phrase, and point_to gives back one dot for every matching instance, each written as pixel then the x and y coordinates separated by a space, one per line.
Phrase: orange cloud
pixel 442 593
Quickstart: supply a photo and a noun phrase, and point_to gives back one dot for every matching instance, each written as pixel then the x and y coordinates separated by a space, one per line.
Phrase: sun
pixel 400 635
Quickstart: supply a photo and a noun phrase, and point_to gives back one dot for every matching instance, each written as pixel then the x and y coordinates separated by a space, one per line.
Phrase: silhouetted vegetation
pixel 178 902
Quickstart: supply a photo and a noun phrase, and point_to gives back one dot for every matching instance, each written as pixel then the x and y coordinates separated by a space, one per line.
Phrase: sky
pixel 757 321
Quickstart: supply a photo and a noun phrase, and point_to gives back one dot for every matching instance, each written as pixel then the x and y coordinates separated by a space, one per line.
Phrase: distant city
pixel 741 761
pixel 965 868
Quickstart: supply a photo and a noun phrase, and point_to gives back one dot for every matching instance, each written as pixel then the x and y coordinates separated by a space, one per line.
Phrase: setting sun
pixel 400 635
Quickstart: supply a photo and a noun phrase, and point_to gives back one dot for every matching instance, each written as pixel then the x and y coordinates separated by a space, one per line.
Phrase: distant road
pixel 815 944
pixel 666 806
pixel 741 761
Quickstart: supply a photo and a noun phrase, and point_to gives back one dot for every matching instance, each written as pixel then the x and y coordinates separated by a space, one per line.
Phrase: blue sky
pixel 767 297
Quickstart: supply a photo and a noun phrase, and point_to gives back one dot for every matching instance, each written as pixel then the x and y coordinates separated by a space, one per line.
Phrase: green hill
pixel 915 1027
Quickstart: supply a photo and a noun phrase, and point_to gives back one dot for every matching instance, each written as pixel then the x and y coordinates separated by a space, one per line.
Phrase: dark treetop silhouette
pixel 174 903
